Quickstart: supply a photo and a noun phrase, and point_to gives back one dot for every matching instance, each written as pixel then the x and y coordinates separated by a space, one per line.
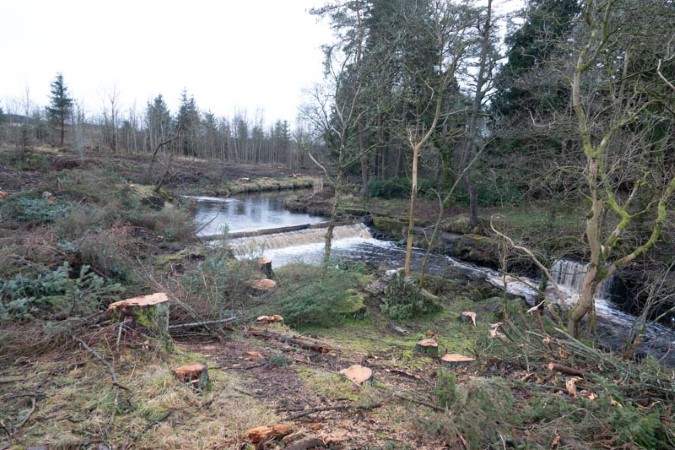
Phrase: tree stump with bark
pixel 149 311
pixel 265 266
pixel 428 347
pixel 196 374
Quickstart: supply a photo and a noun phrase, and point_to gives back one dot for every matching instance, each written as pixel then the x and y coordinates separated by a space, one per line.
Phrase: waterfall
pixel 570 275
pixel 259 244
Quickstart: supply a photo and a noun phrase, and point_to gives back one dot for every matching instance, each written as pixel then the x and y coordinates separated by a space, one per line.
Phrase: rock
pixel 389 226
pixel 265 433
pixel 357 374
pixel 264 320
pixel 427 347
pixel 265 266
pixel 468 317
pixel 306 443
pixel 196 374
pixel 456 358
pixel 263 285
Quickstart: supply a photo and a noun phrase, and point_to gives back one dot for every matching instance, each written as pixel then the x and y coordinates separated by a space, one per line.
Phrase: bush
pixel 319 300
pixel 445 390
pixel 54 293
pixel 405 300
pixel 107 252
pixel 34 210
pixel 171 222
pixel 397 187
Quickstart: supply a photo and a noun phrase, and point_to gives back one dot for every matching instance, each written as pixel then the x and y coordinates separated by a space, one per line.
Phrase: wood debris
pixel 469 316
pixel 265 433
pixel 264 320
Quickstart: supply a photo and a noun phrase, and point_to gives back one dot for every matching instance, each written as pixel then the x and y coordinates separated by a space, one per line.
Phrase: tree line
pixel 187 131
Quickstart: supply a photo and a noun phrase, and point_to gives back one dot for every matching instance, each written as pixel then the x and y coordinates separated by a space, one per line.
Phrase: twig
pixel 113 375
pixel 205 322
pixel 419 402
pixel 336 408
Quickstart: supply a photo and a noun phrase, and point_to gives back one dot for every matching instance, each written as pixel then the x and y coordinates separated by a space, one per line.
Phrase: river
pixel 265 211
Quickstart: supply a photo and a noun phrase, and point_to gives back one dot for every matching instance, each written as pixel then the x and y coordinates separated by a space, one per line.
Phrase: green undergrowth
pixel 308 297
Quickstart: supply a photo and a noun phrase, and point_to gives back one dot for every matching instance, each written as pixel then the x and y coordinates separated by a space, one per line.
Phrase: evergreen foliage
pixel 61 105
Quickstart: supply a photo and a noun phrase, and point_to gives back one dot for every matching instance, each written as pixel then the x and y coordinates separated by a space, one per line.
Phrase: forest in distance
pixel 465 238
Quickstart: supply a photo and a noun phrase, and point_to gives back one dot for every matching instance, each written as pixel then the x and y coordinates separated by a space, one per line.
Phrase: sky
pixel 230 54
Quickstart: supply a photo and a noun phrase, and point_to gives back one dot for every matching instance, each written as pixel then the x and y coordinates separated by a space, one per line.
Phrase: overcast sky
pixel 245 54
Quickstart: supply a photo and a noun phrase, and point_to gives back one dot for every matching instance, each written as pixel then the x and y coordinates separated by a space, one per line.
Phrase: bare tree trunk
pixel 411 211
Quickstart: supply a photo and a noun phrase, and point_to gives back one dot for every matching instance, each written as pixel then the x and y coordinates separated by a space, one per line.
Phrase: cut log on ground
pixel 196 374
pixel 555 367
pixel 265 433
pixel 265 266
pixel 427 347
pixel 357 374
pixel 298 341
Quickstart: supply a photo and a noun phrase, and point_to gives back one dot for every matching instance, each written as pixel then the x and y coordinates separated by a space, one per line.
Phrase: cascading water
pixel 256 245
pixel 570 275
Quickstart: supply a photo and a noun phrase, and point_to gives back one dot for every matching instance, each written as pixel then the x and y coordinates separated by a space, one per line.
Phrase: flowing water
pixel 356 243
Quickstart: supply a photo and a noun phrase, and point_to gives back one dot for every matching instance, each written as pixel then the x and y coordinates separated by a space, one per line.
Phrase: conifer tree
pixel 60 105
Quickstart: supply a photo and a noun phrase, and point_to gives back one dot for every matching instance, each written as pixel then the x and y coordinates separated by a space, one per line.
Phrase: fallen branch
pixel 555 367
pixel 202 323
pixel 419 402
pixel 98 356
pixel 336 408
pixel 307 344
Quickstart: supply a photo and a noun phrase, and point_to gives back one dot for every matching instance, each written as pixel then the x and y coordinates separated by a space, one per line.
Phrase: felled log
pixel 468 317
pixel 149 311
pixel 196 374
pixel 298 341
pixel 555 367
pixel 265 433
pixel 427 347
pixel 265 266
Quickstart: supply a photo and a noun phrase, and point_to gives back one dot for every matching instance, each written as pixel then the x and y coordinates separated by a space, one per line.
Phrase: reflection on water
pixel 247 213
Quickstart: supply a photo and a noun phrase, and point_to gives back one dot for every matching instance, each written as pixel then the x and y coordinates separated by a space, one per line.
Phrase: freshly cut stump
pixel 196 374
pixel 265 266
pixel 468 317
pixel 149 311
pixel 456 359
pixel 264 285
pixel 265 433
pixel 264 320
pixel 357 374
pixel 427 347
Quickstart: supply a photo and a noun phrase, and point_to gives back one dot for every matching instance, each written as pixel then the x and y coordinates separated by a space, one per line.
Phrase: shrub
pixel 171 222
pixel 319 300
pixel 34 210
pixel 445 390
pixel 404 299
pixel 54 293
pixel 107 252
pixel 397 187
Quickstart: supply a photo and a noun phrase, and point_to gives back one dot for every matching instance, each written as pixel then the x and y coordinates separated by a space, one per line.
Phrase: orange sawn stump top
pixel 140 301
pixel 189 372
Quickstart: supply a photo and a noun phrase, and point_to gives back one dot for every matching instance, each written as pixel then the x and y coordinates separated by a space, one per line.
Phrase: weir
pixel 570 275
pixel 258 244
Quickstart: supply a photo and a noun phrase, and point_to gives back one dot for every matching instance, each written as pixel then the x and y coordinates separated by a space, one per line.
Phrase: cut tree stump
pixel 263 285
pixel 264 433
pixel 456 359
pixel 468 317
pixel 264 320
pixel 357 374
pixel 196 374
pixel 265 266
pixel 427 347
pixel 149 311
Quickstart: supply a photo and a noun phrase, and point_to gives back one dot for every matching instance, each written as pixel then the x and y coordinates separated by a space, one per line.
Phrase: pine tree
pixel 60 105
pixel 187 124
pixel 157 121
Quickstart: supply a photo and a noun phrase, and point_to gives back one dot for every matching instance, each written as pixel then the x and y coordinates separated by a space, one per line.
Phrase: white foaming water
pixel 205 198
pixel 303 245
